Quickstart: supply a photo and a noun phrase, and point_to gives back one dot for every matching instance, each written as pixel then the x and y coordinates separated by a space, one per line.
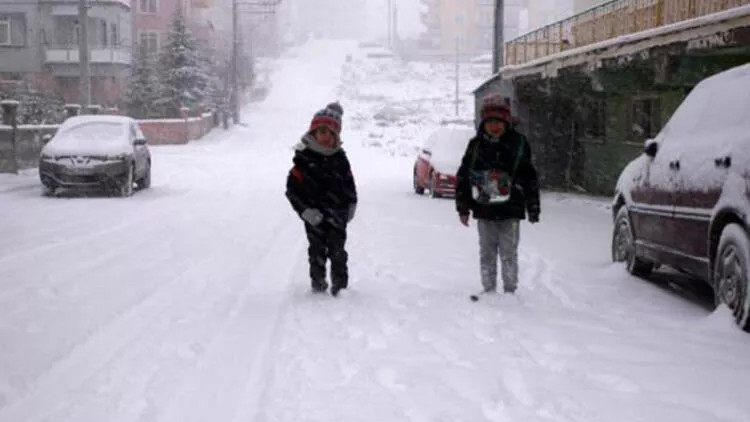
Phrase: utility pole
pixel 458 54
pixel 394 29
pixel 235 52
pixel 390 23
pixel 83 54
pixel 498 50
pixel 258 7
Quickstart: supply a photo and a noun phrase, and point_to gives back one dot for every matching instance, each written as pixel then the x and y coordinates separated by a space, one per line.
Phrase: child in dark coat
pixel 498 184
pixel 321 189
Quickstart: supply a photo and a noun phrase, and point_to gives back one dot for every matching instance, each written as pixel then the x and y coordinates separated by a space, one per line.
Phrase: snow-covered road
pixel 190 301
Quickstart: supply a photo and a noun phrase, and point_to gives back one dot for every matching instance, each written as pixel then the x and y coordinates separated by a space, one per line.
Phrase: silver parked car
pixel 108 152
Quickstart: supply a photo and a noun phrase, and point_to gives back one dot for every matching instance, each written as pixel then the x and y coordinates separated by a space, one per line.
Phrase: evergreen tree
pixel 144 87
pixel 184 81
pixel 35 107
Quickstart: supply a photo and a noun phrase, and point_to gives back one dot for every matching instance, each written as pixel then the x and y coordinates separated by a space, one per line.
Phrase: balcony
pixel 69 55
pixel 609 20
pixel 202 4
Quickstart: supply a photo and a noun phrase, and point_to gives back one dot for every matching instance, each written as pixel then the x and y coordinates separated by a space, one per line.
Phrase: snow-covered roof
pixel 679 31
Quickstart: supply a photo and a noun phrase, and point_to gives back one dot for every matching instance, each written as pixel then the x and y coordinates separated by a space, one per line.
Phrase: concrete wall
pixel 177 131
pixel 29 144
pixel 29 139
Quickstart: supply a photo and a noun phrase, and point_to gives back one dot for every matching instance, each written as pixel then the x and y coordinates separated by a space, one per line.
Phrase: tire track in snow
pixel 235 391
pixel 122 336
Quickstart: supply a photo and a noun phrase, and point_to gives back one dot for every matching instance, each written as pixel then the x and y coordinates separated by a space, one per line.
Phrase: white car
pixel 108 152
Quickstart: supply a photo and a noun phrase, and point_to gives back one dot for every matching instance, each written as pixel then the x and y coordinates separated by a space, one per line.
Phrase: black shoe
pixel 319 286
pixel 336 289
pixel 509 291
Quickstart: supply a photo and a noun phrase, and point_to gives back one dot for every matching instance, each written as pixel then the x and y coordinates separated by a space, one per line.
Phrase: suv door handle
pixel 724 162
pixel 674 165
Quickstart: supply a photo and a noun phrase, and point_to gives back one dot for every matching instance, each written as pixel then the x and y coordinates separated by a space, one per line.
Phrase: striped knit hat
pixel 329 118
pixel 335 106
pixel 495 106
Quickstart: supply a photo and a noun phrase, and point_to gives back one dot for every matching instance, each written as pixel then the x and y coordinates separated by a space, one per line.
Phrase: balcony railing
pixel 607 21
pixel 69 54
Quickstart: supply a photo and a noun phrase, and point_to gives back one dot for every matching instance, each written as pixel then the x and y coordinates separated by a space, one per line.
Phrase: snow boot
pixel 319 286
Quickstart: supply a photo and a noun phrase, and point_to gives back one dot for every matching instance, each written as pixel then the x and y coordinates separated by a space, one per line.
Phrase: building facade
pixel 466 26
pixel 153 19
pixel 39 46
pixel 39 42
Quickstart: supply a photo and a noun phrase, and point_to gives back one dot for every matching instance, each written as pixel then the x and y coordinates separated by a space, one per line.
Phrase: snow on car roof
pixel 106 118
pixel 728 76
pixel 91 135
pixel 717 103
pixel 449 135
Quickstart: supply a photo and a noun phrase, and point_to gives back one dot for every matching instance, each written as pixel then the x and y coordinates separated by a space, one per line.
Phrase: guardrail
pixel 606 21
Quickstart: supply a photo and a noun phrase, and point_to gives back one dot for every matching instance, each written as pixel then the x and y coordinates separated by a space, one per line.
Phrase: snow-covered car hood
pixel 446 165
pixel 90 138
pixel 447 146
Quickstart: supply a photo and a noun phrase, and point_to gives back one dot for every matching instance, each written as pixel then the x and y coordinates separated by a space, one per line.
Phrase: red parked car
pixel 439 159
pixel 685 203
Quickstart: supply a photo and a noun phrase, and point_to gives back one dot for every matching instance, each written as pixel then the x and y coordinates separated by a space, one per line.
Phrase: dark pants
pixel 327 242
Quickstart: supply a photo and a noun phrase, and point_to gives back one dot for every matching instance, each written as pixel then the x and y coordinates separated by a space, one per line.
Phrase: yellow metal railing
pixel 607 21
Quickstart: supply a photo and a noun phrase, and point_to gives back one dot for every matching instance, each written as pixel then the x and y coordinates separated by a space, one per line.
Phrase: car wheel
pixel 48 190
pixel 126 184
pixel 145 182
pixel 433 184
pixel 730 277
pixel 419 190
pixel 623 246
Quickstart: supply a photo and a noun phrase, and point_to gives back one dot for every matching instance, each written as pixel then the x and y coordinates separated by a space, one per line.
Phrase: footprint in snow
pixel 515 383
pixel 376 342
pixel 615 382
pixel 444 348
pixel 388 378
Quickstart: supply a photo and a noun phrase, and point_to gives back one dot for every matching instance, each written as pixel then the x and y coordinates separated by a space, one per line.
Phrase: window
pixel 645 118
pixel 76 33
pixel 115 36
pixel 4 30
pixel 150 42
pixel 103 33
pixel 148 6
pixel 594 124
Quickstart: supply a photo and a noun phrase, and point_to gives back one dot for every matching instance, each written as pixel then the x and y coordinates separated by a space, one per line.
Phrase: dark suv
pixel 685 203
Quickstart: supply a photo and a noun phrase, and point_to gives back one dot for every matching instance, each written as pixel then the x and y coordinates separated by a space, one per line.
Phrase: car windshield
pixel 92 133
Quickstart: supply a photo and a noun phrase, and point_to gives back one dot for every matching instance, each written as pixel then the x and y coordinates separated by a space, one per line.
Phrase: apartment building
pixel 39 46
pixel 153 19
pixel 466 24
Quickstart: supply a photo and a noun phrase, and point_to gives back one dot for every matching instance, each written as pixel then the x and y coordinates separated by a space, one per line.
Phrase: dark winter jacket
pixel 322 179
pixel 484 154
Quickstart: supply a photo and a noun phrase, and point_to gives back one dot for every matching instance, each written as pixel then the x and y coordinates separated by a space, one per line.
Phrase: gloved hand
pixel 313 216
pixel 464 218
pixel 534 217
pixel 352 211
